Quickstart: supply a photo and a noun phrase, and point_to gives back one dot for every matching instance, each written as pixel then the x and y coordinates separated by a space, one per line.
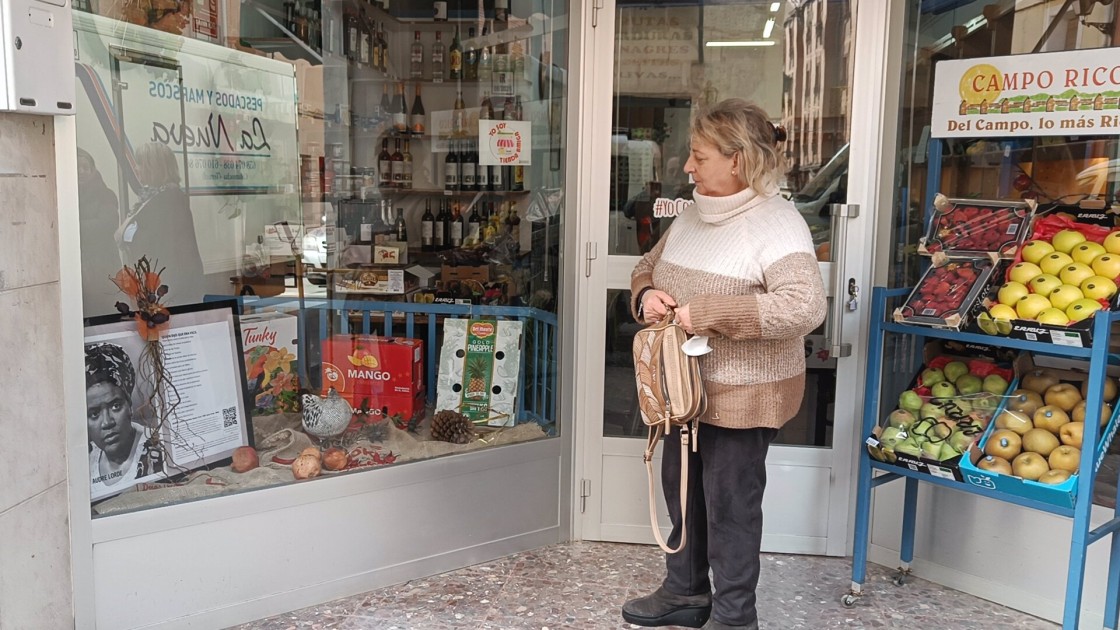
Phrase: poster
pixel 132 437
pixel 505 142
pixel 1046 94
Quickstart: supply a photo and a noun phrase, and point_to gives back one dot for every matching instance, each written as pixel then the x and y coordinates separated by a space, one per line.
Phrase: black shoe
pixel 715 625
pixel 662 608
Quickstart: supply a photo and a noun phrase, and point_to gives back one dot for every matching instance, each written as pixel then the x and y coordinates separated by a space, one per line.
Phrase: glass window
pixel 317 238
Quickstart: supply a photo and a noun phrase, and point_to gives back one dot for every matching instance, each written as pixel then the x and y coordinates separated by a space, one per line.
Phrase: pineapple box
pixel 479 368
pixel 385 373
pixel 271 355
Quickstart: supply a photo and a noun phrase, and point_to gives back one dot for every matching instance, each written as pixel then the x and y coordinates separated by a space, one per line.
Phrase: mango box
pixel 383 371
pixel 1063 494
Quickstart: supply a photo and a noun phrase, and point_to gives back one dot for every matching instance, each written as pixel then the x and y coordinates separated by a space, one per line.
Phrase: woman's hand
pixel 655 304
pixel 684 319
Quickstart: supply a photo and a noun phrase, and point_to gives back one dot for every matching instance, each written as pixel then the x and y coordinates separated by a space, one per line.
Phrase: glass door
pixel 796 60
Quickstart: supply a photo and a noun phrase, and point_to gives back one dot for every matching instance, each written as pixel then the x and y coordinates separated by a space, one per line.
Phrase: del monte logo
pixel 482 329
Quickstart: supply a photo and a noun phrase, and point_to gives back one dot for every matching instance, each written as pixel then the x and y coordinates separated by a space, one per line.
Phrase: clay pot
pixel 306 467
pixel 245 459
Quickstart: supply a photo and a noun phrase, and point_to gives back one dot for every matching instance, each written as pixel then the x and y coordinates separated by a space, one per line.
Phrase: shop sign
pixel 1049 94
pixel 656 49
pixel 505 142
pixel 664 208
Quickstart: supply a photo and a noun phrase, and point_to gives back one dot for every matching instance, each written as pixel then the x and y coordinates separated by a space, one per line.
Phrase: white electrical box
pixel 36 57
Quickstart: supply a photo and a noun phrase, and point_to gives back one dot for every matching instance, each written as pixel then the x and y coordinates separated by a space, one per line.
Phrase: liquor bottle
pixel 459 116
pixel 350 36
pixel 417 117
pixel 365 231
pixel 493 224
pixel 439 236
pixel 485 61
pixel 427 227
pixel 407 180
pixel 445 223
pixel 474 226
pixel 385 165
pixel 467 167
pixel 400 227
pixel 438 52
pixel 456 228
pixel 400 111
pixel 375 49
pixel 451 168
pixel 501 24
pixel 470 57
pixel 416 58
pixel 364 41
pixel 513 224
pixel 518 183
pixel 290 15
pixel 398 166
pixel 301 23
pixel 456 54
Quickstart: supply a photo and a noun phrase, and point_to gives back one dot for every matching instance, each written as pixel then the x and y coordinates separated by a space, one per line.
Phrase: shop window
pixel 351 215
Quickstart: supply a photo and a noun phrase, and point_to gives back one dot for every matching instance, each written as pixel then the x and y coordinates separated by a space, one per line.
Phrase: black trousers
pixel 726 478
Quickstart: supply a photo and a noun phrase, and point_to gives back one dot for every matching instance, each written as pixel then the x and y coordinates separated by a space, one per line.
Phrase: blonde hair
pixel 156 165
pixel 738 127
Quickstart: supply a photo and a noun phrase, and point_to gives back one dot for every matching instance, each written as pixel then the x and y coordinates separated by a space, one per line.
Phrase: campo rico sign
pixel 1046 94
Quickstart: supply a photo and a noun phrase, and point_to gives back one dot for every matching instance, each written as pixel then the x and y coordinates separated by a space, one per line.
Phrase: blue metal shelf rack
pixel 873 474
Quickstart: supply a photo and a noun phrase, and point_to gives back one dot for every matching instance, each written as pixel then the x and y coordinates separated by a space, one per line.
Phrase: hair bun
pixel 779 133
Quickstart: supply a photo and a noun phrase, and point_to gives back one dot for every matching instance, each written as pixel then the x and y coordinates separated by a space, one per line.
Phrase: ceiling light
pixel 774 6
pixel 769 28
pixel 739 44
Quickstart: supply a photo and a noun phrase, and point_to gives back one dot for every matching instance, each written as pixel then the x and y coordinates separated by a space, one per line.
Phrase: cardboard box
pixel 945 295
pixel 374 281
pixel 480 273
pixel 271 349
pixel 479 370
pixel 971 228
pixel 383 371
pixel 1063 494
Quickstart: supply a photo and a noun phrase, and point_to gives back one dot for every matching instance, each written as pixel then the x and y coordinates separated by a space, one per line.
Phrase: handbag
pixel 670 395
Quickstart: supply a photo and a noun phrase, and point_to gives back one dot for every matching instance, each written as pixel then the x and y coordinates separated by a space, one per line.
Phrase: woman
pixel 738 267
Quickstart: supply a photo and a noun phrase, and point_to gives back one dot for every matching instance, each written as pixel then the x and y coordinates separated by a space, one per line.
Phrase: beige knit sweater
pixel 745 265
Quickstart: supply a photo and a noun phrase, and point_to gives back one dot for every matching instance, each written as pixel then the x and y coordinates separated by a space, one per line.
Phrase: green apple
pixel 1107 265
pixel 954 370
pixel 1065 295
pixel 1098 288
pixel 1010 293
pixel 1082 309
pixel 1054 263
pixel 1086 252
pixel 995 384
pixel 910 401
pixel 1053 316
pixel 1065 240
pixel 1036 250
pixel 969 384
pixel 1023 272
pixel 1112 243
pixel 944 389
pixel 1075 273
pixel 1031 305
pixel 901 419
pixel 932 376
pixel 1044 283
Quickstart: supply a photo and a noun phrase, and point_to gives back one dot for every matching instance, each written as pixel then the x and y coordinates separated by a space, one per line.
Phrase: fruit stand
pixel 1073 501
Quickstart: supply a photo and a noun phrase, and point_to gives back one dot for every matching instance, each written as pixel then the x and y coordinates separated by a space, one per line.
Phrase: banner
pixel 1048 94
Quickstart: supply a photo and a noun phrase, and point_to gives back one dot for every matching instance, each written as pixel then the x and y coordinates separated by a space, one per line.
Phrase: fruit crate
pixel 946 294
pixel 971 228
pixel 1062 494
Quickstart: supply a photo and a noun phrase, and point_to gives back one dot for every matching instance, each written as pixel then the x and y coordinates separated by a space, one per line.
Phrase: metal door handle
pixel 845 297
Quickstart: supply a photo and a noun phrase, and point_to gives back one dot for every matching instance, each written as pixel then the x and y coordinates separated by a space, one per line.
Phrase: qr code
pixel 229 417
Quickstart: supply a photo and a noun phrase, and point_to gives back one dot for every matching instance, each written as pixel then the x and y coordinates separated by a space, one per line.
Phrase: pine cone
pixel 452 426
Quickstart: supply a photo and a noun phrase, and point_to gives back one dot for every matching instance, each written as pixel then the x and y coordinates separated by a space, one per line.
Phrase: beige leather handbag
pixel 670 394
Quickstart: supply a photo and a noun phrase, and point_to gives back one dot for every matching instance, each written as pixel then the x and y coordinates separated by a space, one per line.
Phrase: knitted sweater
pixel 745 265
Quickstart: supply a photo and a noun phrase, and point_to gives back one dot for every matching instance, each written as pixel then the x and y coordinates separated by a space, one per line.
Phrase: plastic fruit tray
pixel 946 293
pixel 968 228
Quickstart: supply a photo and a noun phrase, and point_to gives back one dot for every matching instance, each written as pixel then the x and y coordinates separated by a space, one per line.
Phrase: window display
pixel 383 197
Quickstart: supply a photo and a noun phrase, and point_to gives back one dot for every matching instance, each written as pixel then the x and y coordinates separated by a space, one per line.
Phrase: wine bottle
pixel 385 107
pixel 365 231
pixel 406 181
pixel 470 57
pixel 385 165
pixel 439 240
pixel 451 168
pixel 456 54
pixel 482 173
pixel 474 226
pixel 518 183
pixel 383 43
pixel 400 227
pixel 427 227
pixel 438 53
pixel 290 15
pixel 397 165
pixel 400 111
pixel 417 117
pixel 467 166
pixel 445 223
pixel 459 116
pixel 501 24
pixel 350 43
pixel 364 41
pixel 416 58
pixel 375 49
pixel 456 227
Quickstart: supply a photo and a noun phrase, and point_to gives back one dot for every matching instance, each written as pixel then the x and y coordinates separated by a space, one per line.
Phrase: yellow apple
pixel 1112 243
pixel 1065 457
pixel 1024 272
pixel 1029 466
pixel 1029 306
pixel 1054 263
pixel 1085 252
pixel 1082 309
pixel 1063 396
pixel 1098 288
pixel 1075 274
pixel 1065 295
pixel 1044 283
pixel 1053 316
pixel 1011 292
pixel 1065 240
pixel 1003 311
pixel 1036 250
pixel 1107 265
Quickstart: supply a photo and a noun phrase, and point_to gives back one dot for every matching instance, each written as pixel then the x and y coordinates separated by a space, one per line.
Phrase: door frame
pixel 874 105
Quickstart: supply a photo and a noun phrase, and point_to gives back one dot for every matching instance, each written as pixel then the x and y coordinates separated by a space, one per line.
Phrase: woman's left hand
pixel 684 318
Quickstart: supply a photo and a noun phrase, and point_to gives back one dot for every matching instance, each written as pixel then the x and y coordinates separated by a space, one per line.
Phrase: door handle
pixel 845 297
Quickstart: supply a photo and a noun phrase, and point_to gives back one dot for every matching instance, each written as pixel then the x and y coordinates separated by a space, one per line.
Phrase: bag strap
pixel 655 433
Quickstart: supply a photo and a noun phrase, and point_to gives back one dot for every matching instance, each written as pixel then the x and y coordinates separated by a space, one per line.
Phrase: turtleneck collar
pixel 722 210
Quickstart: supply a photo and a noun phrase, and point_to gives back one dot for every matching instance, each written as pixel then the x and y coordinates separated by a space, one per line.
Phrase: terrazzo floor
pixel 582 585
